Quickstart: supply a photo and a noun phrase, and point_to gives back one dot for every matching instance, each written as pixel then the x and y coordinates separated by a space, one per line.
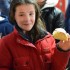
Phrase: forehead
pixel 25 7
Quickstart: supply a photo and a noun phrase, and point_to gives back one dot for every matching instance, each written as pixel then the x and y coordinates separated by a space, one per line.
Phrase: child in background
pixel 5 26
pixel 4 7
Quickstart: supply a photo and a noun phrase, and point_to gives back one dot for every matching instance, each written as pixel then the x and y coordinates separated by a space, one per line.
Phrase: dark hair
pixel 16 3
pixel 38 24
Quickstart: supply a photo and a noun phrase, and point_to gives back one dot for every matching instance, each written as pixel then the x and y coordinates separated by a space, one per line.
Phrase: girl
pixel 29 46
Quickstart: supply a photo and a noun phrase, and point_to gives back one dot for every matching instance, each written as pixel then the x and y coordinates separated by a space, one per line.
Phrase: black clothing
pixel 53 17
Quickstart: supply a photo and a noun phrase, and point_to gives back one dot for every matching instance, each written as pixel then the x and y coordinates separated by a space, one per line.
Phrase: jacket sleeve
pixel 59 19
pixel 59 59
pixel 5 57
pixel 8 28
pixel 67 19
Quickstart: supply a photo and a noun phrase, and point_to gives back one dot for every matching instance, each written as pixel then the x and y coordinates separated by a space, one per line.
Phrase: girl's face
pixel 25 16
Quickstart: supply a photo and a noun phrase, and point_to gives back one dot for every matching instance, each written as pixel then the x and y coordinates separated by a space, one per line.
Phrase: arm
pixel 9 28
pixel 60 58
pixel 5 57
pixel 59 19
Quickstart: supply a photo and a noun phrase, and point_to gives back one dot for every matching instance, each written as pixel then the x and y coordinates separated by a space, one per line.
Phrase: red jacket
pixel 17 53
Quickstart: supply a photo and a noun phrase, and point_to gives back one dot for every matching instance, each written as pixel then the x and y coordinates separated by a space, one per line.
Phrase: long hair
pixel 38 23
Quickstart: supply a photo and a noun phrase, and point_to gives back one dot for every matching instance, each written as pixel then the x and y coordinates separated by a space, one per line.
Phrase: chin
pixel 28 29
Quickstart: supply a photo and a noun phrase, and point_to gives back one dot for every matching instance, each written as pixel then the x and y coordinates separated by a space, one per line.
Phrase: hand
pixel 65 45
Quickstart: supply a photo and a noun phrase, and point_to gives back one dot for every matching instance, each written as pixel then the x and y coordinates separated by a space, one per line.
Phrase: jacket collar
pixel 27 37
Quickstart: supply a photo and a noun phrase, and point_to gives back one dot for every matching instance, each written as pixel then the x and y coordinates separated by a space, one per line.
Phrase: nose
pixel 27 18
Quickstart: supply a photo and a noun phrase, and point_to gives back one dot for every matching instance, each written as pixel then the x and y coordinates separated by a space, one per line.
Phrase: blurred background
pixel 62 4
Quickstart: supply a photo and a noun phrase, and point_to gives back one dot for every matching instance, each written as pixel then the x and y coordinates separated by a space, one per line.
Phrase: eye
pixel 21 15
pixel 31 14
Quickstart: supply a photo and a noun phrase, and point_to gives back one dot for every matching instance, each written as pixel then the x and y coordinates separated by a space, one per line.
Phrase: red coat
pixel 17 53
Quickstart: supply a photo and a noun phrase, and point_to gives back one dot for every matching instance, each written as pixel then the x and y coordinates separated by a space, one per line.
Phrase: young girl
pixel 29 46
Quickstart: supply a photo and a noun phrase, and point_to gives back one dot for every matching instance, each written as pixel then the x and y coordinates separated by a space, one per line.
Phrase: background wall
pixel 62 4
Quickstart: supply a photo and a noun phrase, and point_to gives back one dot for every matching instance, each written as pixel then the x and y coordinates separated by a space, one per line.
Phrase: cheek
pixel 18 19
pixel 33 19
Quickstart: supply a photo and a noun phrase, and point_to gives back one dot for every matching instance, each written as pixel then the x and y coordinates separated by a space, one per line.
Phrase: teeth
pixel 60 34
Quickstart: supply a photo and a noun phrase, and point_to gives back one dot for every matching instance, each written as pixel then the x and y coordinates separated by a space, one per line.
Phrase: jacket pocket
pixel 22 63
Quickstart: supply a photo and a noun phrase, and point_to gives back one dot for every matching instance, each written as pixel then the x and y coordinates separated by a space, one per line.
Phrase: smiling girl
pixel 30 46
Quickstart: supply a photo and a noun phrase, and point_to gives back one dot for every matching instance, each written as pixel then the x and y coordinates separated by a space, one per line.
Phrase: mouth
pixel 26 24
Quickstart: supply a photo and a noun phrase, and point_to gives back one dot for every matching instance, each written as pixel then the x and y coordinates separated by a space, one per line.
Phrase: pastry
pixel 60 34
